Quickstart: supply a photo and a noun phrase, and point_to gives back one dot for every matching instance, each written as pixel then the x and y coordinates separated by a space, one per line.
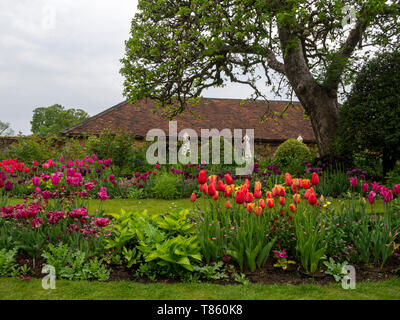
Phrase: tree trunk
pixel 324 114
pixel 320 104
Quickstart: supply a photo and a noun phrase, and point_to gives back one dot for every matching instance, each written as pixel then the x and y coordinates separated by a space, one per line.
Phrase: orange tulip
pixel 306 183
pixel 281 201
pixel 276 191
pixel 288 179
pixel 250 207
pixel 257 194
pixel 292 208
pixel 228 191
pixel 212 178
pixel 261 203
pixel 216 195
pixel 296 198
pixel 257 185
pixel 193 197
pixel 309 192
pixel 228 204
pixel 258 211
pixel 204 188
pixel 269 195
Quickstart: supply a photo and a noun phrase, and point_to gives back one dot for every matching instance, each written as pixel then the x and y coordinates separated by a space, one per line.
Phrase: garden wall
pixel 5 142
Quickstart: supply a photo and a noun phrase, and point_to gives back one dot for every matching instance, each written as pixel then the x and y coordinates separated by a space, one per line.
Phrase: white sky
pixel 66 52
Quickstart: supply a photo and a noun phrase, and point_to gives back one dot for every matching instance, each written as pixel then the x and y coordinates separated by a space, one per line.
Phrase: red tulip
pixel 202 179
pixel 239 197
pixel 297 198
pixel 228 179
pixel 312 199
pixel 212 190
pixel 257 194
pixel 314 179
pixel 261 203
pixel 228 204
pixel 249 197
pixel 258 211
pixel 204 188
pixel 221 186
pixel 270 203
pixel 292 208
pixel 281 201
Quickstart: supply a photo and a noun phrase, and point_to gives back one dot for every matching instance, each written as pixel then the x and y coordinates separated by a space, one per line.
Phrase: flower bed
pixel 271 229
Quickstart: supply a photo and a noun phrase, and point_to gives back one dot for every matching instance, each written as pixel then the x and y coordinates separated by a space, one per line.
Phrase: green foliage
pixel 294 150
pixel 334 183
pixel 165 186
pixel 228 233
pixel 370 118
pixel 117 146
pixel 74 264
pixel 7 262
pixel 211 272
pixel 393 177
pixel 29 148
pixel 167 243
pixel 310 233
pixel 54 119
pixel 335 269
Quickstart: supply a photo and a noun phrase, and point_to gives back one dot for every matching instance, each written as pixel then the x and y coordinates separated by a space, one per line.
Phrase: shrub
pixel 165 186
pixel 291 155
pixel 293 148
pixel 370 118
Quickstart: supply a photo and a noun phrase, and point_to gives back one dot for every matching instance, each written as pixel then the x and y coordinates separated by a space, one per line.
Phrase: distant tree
pixel 54 119
pixel 5 129
pixel 370 118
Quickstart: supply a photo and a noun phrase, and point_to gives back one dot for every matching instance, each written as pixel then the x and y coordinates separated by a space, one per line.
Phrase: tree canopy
pixel 54 119
pixel 177 49
pixel 5 129
pixel 370 118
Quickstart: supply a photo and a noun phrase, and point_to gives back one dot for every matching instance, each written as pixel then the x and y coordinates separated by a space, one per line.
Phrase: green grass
pixel 82 290
pixel 154 206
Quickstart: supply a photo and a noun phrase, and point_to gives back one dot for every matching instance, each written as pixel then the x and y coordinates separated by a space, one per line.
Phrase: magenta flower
pixel 36 181
pixel 55 179
pixel 371 197
pixel 353 181
pixel 396 189
pixel 365 187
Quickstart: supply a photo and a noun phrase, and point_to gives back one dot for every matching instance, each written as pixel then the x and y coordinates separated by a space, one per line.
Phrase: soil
pixel 268 275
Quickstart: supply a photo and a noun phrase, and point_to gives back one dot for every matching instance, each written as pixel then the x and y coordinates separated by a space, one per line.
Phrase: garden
pixel 296 219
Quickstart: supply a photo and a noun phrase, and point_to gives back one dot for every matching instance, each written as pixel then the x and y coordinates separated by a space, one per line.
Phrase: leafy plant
pixel 7 262
pixel 335 269
pixel 165 187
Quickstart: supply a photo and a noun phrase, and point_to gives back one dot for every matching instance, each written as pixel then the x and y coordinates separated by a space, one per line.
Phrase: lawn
pixel 15 289
pixel 154 206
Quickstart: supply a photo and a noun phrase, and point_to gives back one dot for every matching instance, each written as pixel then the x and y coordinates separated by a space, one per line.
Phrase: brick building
pixel 208 113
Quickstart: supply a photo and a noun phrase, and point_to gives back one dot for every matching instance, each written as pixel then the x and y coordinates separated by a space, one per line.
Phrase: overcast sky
pixel 66 52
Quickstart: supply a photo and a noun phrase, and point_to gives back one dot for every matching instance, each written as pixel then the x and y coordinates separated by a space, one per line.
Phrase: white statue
pixel 185 149
pixel 247 149
pixel 300 138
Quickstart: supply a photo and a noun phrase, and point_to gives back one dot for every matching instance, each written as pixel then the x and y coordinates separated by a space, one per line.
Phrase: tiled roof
pixel 212 113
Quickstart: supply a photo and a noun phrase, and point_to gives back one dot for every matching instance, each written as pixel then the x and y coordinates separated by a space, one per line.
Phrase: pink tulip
pixel 365 187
